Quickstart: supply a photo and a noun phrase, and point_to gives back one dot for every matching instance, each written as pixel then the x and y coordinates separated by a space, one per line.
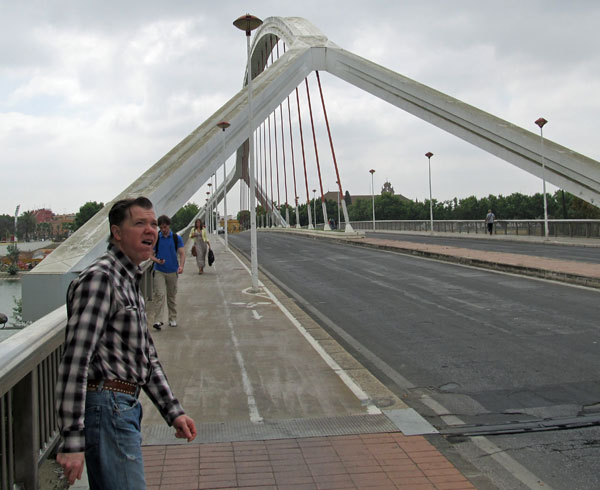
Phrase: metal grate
pixel 274 429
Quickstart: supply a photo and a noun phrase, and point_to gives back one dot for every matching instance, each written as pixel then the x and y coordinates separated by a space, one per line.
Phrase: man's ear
pixel 116 232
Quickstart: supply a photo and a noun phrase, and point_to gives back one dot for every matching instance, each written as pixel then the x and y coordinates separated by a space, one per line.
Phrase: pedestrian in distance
pixel 489 221
pixel 198 234
pixel 169 257
pixel 108 357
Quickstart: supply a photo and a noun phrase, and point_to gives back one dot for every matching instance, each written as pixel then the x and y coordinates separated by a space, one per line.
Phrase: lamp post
pixel 541 122
pixel 206 212
pixel 372 172
pixel 315 208
pixel 429 155
pixel 210 204
pixel 248 23
pixel 224 125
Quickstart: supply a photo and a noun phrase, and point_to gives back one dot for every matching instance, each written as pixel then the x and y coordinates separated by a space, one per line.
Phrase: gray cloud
pixel 92 94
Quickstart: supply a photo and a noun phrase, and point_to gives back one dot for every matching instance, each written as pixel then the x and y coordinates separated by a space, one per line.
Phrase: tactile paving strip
pixel 273 429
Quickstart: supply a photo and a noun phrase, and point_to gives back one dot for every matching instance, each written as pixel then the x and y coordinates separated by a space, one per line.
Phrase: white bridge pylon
pixel 177 176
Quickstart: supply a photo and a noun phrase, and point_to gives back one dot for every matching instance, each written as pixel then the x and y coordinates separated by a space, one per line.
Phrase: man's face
pixel 137 234
pixel 165 229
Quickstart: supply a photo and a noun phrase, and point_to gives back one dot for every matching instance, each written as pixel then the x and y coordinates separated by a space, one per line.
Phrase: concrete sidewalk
pixel 278 403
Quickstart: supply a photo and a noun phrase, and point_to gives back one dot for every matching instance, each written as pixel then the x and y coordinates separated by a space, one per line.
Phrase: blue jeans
pixel 113 441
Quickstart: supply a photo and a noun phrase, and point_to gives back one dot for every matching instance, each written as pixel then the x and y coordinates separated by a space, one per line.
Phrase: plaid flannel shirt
pixel 107 337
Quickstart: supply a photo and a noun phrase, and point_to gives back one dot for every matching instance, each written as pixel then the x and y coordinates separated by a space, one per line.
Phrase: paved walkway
pixel 278 402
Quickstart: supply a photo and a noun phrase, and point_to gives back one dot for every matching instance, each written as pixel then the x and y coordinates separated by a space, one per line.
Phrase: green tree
pixel 7 227
pixel 13 255
pixel 347 199
pixel 44 230
pixel 184 216
pixel 243 218
pixel 86 212
pixel 580 209
pixel 26 224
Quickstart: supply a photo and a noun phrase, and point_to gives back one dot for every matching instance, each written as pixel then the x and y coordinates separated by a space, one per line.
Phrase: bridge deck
pixel 278 403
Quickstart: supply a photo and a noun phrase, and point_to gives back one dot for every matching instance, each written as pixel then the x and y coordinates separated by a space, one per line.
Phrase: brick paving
pixel 365 461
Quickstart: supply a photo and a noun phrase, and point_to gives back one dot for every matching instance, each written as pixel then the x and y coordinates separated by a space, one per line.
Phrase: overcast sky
pixel 94 93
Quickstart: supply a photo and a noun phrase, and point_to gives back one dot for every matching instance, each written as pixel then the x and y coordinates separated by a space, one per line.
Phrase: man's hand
pixel 180 270
pixel 72 464
pixel 186 429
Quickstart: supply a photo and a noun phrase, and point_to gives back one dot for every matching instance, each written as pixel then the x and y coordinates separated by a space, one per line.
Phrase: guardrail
pixel 556 227
pixel 28 372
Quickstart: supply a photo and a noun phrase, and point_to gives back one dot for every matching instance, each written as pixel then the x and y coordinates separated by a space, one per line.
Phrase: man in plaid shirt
pixel 108 357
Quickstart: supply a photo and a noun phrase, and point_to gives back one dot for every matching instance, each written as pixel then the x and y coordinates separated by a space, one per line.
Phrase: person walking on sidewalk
pixel 109 357
pixel 489 221
pixel 169 257
pixel 198 234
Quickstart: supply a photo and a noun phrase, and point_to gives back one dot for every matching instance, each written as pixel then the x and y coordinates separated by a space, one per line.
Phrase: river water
pixel 9 289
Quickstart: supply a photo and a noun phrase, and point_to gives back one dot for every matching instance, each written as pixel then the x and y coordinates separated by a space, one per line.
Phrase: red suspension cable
pixel 337 173
pixel 302 146
pixel 314 139
pixel 276 158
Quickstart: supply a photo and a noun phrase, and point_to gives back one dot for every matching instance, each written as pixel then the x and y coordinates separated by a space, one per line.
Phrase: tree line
pixel 388 206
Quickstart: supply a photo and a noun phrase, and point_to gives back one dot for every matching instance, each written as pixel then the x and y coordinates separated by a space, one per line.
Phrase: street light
pixel 224 125
pixel 206 221
pixel 372 171
pixel 314 208
pixel 210 205
pixel 429 155
pixel 248 23
pixel 540 122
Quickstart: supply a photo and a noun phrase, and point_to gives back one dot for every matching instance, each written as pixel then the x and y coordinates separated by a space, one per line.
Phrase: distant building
pixel 43 216
pixel 233 225
pixel 61 224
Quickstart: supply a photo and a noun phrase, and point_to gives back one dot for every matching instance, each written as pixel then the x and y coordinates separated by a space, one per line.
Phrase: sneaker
pixel 172 323
pixel 157 325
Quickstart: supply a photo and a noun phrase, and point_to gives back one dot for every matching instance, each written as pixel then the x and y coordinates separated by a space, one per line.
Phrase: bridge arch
pixel 177 176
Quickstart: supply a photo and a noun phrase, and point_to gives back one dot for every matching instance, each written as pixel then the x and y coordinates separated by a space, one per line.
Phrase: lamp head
pixel 223 125
pixel 540 122
pixel 428 154
pixel 247 23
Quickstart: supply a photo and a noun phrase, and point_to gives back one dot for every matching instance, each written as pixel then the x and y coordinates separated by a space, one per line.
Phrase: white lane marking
pixel 347 380
pixel 513 466
pixel 256 315
pixel 248 389
pixel 498 454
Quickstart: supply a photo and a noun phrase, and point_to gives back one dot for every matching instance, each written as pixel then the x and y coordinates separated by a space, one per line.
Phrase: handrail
pixel 28 426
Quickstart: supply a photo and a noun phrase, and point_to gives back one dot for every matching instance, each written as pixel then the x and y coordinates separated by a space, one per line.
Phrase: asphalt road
pixel 498 243
pixel 461 345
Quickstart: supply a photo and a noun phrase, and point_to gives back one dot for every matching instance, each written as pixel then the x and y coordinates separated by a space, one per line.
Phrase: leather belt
pixel 117 385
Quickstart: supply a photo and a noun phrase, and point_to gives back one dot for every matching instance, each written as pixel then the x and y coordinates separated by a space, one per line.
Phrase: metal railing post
pixel 25 412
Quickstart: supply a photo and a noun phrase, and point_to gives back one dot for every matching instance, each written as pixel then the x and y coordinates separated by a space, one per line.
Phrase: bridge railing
pixel 28 426
pixel 533 227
